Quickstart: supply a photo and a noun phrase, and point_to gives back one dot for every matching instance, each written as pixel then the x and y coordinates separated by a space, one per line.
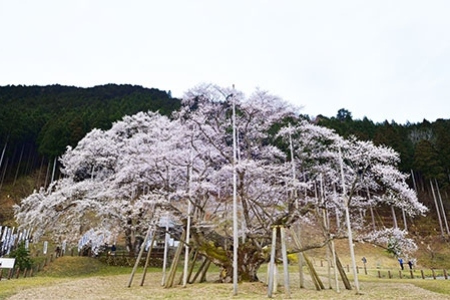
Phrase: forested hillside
pixel 38 122
pixel 424 147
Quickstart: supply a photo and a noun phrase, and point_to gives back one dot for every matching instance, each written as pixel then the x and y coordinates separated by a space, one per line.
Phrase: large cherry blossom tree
pixel 119 181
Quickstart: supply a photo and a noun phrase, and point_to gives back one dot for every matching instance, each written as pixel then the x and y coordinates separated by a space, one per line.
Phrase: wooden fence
pixel 434 273
pixel 17 272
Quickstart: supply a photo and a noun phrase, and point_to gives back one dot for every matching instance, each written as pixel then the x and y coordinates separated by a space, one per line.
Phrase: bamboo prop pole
pixel 336 209
pixel 333 251
pixel 3 153
pixel 183 277
pixel 344 277
pixel 328 258
pixel 166 242
pixel 437 209
pixel 139 255
pixel 187 248
pixel 38 181
pixel 46 174
pixel 199 271
pixel 235 217
pixel 55 160
pixel 147 260
pixel 300 262
pixel 191 269
pixel 394 217
pixel 18 165
pixel 300 271
pixel 272 263
pixel 326 226
pixel 332 248
pixel 186 252
pixel 205 270
pixel 314 277
pixel 442 207
pixel 4 172
pixel 294 194
pixel 372 216
pixel 404 220
pixel 176 259
pixel 347 220
pixel 414 180
pixel 287 289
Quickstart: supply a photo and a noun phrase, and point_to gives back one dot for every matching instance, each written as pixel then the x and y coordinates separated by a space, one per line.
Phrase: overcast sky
pixel 386 60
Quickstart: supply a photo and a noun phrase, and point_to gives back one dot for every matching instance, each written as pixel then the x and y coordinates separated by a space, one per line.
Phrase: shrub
pixel 22 256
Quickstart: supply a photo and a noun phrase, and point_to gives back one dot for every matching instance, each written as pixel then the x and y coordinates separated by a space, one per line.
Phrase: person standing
pixel 400 260
pixel 410 264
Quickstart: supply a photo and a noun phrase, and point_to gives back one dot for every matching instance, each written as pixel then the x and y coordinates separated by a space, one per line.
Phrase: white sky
pixel 387 60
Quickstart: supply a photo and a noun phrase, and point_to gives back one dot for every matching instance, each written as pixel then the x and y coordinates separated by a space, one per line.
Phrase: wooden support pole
pixel 314 276
pixel 270 287
pixel 437 209
pixel 205 270
pixel 139 256
pixel 184 278
pixel 176 259
pixel 205 261
pixel 147 260
pixel 300 270
pixel 296 237
pixel 287 289
pixel 191 269
pixel 344 277
pixel 333 252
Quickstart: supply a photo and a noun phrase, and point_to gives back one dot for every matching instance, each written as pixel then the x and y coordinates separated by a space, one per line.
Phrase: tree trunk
pixel 250 256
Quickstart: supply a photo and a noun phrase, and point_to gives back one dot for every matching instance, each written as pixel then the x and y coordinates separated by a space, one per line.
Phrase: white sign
pixel 7 263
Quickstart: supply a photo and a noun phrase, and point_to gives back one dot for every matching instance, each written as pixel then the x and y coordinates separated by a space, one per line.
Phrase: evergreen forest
pixel 37 123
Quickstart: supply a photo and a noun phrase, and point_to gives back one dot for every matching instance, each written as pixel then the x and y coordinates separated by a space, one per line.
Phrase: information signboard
pixel 7 263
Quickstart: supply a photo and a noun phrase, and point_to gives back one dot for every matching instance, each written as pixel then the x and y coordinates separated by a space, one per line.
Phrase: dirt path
pixel 114 287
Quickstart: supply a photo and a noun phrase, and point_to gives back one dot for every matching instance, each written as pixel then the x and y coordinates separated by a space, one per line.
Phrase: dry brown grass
pixel 114 287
